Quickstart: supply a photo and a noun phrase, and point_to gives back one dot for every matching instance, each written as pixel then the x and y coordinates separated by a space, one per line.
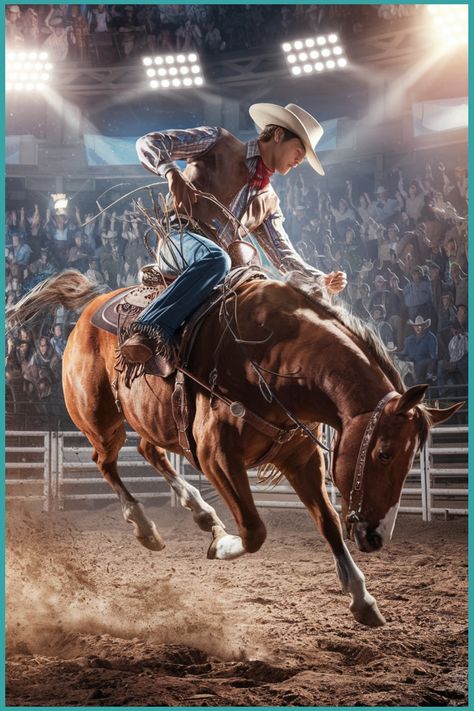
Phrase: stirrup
pixel 137 348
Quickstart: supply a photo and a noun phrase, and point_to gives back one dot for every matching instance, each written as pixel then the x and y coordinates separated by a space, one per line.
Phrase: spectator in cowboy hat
pixel 421 349
pixel 384 209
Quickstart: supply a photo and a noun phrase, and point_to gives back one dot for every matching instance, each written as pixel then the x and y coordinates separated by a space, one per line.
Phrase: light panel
pixel 173 71
pixel 27 71
pixel 449 23
pixel 314 55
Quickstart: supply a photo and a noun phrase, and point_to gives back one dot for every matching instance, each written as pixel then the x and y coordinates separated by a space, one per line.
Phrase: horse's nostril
pixel 374 539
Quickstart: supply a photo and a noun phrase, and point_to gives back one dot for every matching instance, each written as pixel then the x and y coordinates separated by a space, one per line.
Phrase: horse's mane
pixel 372 344
pixel 358 329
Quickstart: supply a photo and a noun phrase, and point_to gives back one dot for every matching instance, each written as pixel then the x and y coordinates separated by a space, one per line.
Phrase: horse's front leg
pixel 306 475
pixel 227 473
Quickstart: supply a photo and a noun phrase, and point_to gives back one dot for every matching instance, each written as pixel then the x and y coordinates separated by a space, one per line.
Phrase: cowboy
pixel 238 175
pixel 422 349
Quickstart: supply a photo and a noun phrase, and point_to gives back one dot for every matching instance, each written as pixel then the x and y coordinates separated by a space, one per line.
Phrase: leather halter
pixel 357 492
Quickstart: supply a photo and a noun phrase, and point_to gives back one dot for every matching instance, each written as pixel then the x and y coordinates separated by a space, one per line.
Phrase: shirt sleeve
pixel 158 151
pixel 276 244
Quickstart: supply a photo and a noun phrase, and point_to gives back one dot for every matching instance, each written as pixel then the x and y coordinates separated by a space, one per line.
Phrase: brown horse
pixel 319 366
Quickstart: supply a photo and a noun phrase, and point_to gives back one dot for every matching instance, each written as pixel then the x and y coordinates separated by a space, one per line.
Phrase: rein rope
pixel 266 391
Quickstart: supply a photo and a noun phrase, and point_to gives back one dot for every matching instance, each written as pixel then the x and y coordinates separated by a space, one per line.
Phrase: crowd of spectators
pixel 114 32
pixel 109 250
pixel 404 249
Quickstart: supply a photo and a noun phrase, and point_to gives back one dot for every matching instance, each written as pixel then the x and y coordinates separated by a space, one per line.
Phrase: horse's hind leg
pixel 189 497
pixel 105 455
pixel 306 475
pixel 92 408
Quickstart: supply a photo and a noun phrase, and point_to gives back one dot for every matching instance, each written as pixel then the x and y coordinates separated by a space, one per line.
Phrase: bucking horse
pixel 266 367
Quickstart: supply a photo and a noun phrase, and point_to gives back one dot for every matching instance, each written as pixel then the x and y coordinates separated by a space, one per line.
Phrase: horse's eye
pixel 384 457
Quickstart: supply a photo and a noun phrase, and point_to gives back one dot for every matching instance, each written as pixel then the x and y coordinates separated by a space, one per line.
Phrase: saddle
pixel 244 257
pixel 120 311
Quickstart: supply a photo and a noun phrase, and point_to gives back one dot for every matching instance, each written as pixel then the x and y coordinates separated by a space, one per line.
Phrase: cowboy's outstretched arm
pixel 277 246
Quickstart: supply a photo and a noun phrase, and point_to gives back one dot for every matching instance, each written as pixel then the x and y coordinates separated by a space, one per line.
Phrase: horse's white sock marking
pixel 190 498
pixel 352 579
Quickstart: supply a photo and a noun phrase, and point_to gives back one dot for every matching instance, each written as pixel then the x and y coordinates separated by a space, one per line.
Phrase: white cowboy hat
pixel 420 321
pixel 295 119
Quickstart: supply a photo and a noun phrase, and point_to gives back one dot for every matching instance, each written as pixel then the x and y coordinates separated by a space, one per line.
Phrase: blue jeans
pixel 200 265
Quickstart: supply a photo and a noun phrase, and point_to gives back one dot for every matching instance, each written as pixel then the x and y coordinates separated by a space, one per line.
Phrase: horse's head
pixel 372 459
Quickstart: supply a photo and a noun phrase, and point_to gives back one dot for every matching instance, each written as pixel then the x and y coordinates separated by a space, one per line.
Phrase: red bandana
pixel 261 176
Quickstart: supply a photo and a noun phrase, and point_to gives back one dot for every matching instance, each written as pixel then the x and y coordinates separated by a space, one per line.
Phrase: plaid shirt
pixel 158 154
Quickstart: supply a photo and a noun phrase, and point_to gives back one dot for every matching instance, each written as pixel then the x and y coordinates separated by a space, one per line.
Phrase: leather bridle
pixel 357 491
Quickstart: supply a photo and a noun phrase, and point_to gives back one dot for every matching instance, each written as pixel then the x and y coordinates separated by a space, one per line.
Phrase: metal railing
pixel 56 468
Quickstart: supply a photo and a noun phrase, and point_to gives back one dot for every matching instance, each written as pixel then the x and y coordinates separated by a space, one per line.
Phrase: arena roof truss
pixel 394 48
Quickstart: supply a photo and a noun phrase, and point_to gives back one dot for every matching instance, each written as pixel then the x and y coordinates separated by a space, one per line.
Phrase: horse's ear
pixel 410 399
pixel 437 416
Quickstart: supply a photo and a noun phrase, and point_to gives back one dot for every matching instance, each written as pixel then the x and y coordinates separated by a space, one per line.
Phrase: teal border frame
pixel 2 354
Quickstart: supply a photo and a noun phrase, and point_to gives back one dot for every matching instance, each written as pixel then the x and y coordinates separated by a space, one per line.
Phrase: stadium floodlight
pixel 315 55
pixel 27 71
pixel 449 23
pixel 173 71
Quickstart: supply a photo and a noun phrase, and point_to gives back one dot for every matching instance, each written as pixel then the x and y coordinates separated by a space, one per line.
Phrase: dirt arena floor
pixel 94 619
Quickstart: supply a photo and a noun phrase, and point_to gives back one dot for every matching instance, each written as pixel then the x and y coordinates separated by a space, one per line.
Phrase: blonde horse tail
pixel 70 289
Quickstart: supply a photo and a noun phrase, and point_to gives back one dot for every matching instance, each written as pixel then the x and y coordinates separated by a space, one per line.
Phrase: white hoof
pixel 224 546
